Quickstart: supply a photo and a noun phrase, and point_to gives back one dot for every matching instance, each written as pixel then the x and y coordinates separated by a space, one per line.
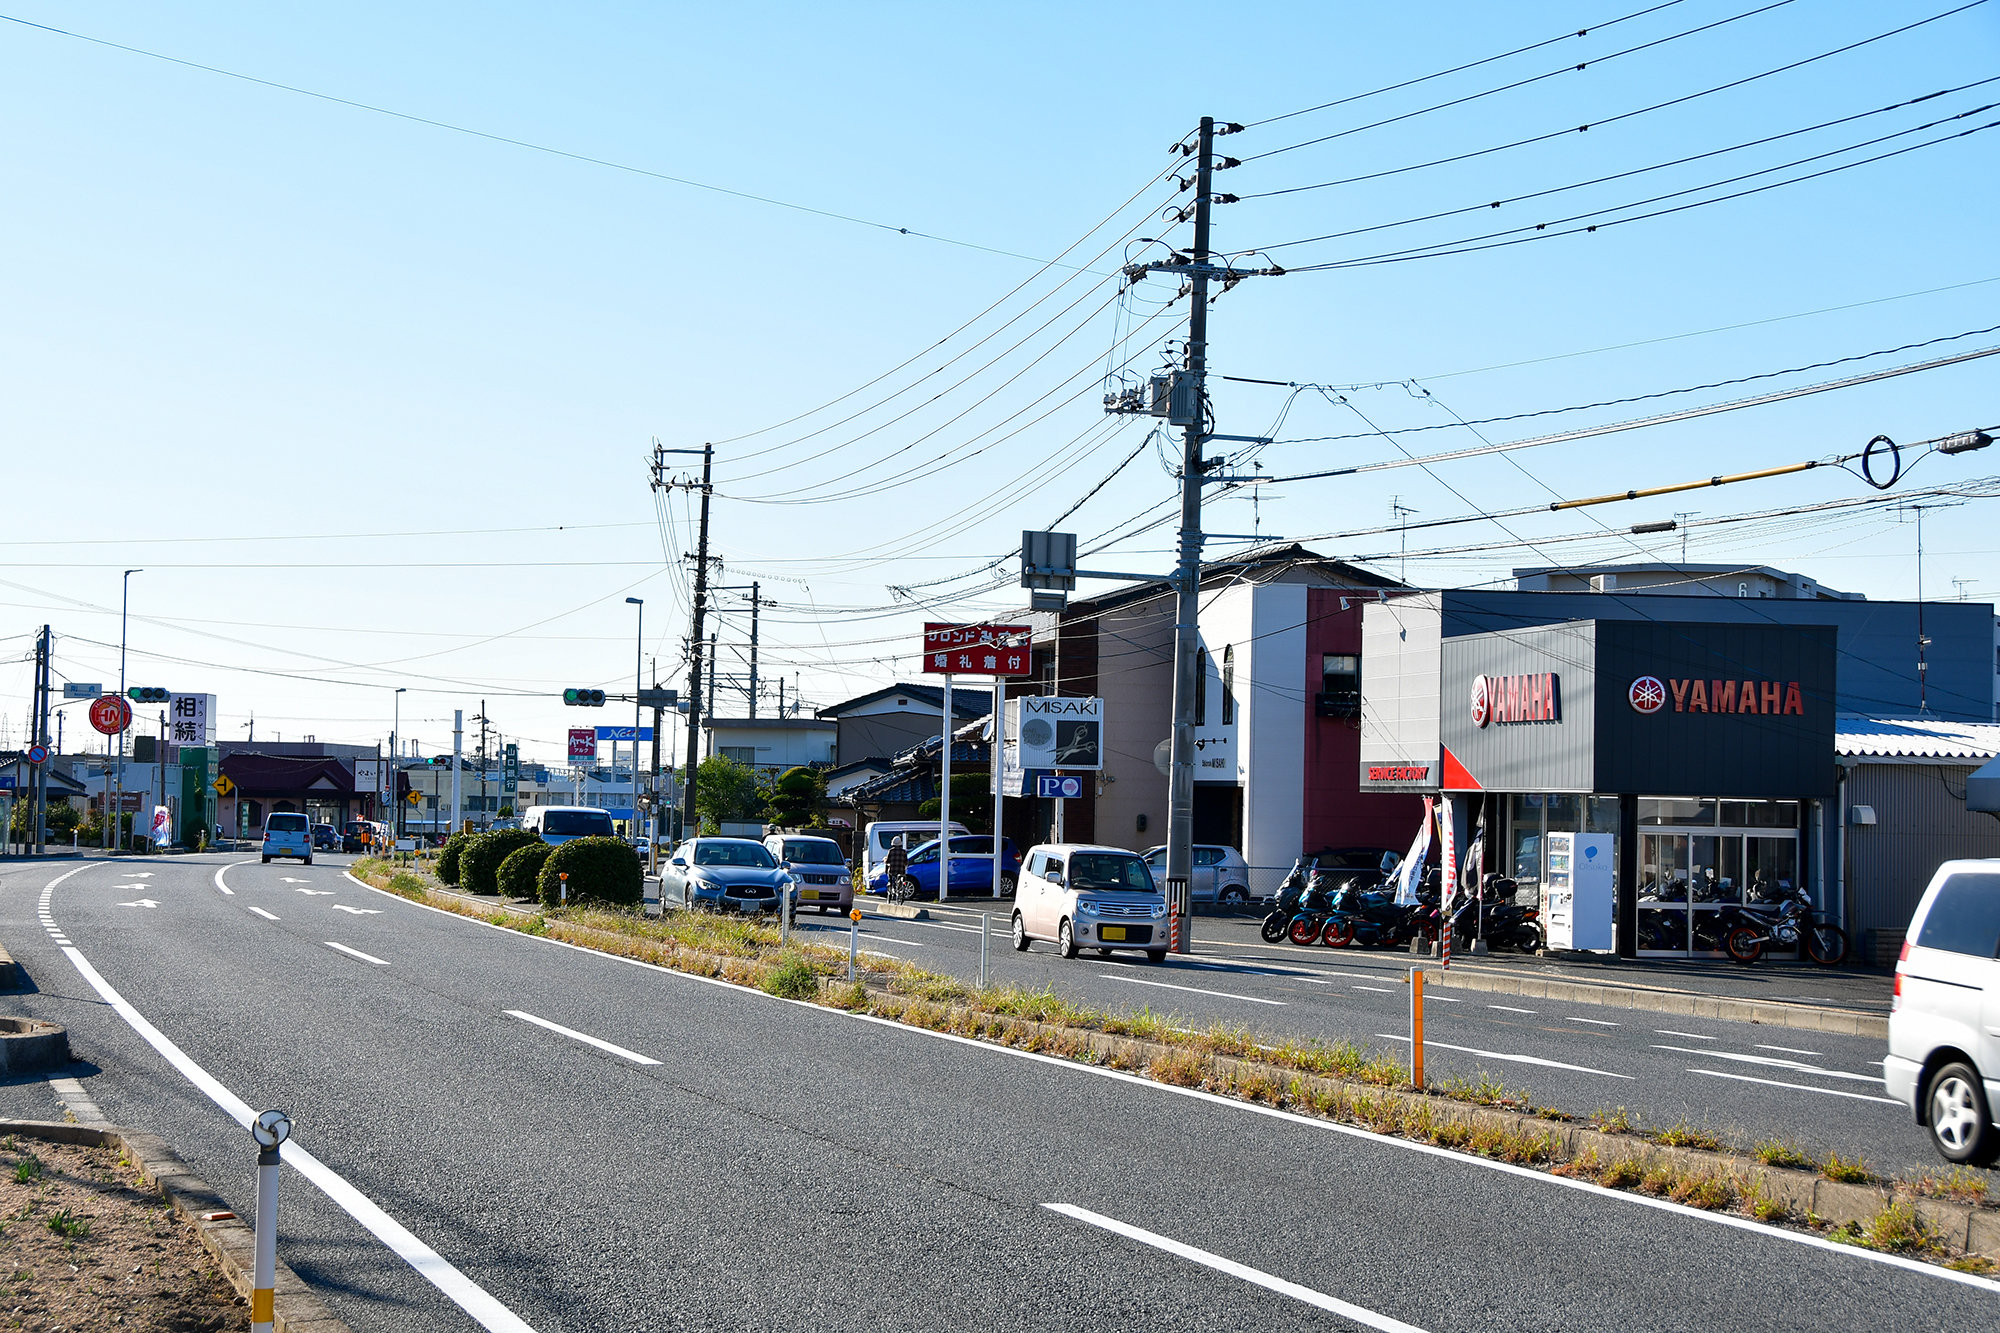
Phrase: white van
pixel 1944 1028
pixel 817 866
pixel 288 834
pixel 1086 896
pixel 877 836
pixel 561 823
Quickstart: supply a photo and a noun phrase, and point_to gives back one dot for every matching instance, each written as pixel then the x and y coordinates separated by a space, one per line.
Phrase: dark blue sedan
pixel 724 875
pixel 971 868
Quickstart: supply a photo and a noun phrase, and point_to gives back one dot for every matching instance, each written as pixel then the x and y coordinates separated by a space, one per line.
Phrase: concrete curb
pixel 11 975
pixel 295 1308
pixel 28 1044
pixel 1771 1013
pixel 903 910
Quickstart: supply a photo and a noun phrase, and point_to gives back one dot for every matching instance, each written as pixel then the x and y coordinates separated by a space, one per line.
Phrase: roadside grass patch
pixel 1703 1189
pixel 1681 1134
pixel 68 1225
pixel 28 1169
pixel 1960 1185
pixel 1895 1230
pixel 1623 1174
pixel 406 884
pixel 1610 1121
pixel 1782 1152
pixel 792 979
pixel 1845 1170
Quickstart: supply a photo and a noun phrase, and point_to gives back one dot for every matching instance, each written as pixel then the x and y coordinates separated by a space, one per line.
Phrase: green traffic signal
pixel 584 698
pixel 146 694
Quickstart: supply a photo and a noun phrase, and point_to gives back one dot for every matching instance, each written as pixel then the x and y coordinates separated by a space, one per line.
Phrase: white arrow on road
pixel 143 902
pixel 316 893
pixel 287 879
pixel 126 886
pixel 358 911
pixel 142 874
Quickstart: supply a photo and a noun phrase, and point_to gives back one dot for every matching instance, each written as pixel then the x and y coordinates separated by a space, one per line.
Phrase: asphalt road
pixel 587 1143
pixel 1741 1081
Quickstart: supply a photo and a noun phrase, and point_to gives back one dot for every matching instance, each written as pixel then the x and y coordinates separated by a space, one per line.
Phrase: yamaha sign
pixel 1532 697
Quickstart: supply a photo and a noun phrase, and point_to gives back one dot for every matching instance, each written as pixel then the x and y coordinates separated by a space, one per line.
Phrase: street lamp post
pixel 124 609
pixel 638 683
pixel 395 759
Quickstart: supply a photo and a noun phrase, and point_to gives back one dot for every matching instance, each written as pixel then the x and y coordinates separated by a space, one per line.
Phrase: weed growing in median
pixel 793 979
pixel 1895 1230
pixel 1611 1122
pixel 1960 1185
pixel 28 1169
pixel 1681 1134
pixel 1847 1171
pixel 1782 1152
pixel 68 1225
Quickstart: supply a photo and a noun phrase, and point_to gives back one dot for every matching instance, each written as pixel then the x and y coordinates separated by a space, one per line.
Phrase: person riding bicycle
pixel 896 863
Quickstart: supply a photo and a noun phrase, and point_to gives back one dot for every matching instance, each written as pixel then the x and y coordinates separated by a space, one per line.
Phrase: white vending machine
pixel 1577 898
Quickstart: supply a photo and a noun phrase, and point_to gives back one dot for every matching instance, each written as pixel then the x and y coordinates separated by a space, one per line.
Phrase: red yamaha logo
pixel 1647 695
pixel 1482 702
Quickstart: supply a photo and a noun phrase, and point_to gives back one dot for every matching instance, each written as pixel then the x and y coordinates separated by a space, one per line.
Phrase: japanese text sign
pixel 977 650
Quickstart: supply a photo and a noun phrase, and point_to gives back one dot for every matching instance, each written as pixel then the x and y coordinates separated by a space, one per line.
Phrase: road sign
pixel 223 786
pixel 1057 732
pixel 658 698
pixel 623 733
pixel 413 797
pixel 977 650
pixel 77 690
pixel 111 715
pixel 193 719
pixel 582 743
pixel 1056 786
pixel 38 754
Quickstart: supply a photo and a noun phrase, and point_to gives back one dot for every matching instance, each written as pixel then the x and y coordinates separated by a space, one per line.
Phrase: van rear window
pixel 285 824
pixel 577 823
pixel 1964 917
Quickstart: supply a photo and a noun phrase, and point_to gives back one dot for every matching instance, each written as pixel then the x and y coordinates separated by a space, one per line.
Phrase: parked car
pixel 877 836
pixel 1944 1027
pixel 326 838
pixel 971 868
pixel 1358 867
pixel 819 868
pixel 288 834
pixel 1085 896
pixel 561 823
pixel 724 875
pixel 1221 875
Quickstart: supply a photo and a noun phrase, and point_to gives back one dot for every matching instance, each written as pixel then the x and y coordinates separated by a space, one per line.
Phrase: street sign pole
pixel 944 802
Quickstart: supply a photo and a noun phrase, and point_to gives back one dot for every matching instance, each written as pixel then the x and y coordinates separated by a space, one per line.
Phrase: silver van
pixel 1086 896
pixel 562 823
pixel 1944 1028
pixel 817 866
pixel 288 834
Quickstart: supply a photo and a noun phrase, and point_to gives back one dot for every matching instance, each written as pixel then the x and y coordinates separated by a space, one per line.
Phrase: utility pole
pixel 38 727
pixel 707 452
pixel 481 720
pixel 756 603
pixel 457 751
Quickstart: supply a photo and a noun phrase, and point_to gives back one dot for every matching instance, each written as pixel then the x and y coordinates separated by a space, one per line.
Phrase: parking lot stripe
pixel 1193 990
pixel 1502 1055
pixel 1797 1087
pixel 583 1037
pixel 1306 1295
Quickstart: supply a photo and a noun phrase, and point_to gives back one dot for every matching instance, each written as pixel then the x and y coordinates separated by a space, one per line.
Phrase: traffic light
pixel 147 694
pixel 440 761
pixel 584 698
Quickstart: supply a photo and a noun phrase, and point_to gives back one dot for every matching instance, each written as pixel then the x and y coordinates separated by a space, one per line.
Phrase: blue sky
pixel 258 342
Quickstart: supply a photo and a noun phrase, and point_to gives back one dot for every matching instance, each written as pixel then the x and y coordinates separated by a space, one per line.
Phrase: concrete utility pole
pixel 755 603
pixel 1187 573
pixel 124 609
pixel 457 749
pixel 638 684
pixel 707 452
pixel 38 729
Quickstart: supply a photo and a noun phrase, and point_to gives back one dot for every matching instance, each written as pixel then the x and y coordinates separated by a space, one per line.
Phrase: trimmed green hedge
pixel 600 870
pixel 518 872
pixel 454 847
pixel 479 863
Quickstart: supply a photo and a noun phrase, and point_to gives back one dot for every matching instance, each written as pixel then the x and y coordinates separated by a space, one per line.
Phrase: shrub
pixel 479 863
pixel 454 847
pixel 521 870
pixel 793 979
pixel 600 870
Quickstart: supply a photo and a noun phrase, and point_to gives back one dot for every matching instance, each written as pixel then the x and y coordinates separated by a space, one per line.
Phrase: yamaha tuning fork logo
pixel 1647 695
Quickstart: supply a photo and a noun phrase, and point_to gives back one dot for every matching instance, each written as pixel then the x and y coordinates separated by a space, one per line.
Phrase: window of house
pixel 742 754
pixel 1229 685
pixel 1339 684
pixel 1200 686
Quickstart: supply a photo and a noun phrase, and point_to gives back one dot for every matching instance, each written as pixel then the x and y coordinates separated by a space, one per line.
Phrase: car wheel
pixel 1020 934
pixel 1961 1125
pixel 1235 895
pixel 267 860
pixel 306 861
pixel 1065 940
pixel 1007 886
pixel 1156 955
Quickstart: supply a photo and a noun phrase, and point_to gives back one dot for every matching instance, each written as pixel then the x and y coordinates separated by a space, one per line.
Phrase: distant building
pixel 772 743
pixel 889 721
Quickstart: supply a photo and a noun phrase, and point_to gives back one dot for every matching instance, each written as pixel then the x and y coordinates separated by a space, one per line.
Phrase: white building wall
pixel 1265 626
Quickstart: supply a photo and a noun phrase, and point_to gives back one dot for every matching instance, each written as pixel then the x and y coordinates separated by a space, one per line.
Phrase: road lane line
pixel 1799 1087
pixel 1379 990
pixel 1241 970
pixel 364 957
pixel 1306 1295
pixel 1771 1062
pixel 468 1295
pixel 1788 1050
pixel 266 915
pixel 1461 1160
pixel 218 876
pixel 1594 1022
pixel 583 1037
pixel 1193 990
pixel 1510 1008
pixel 1502 1055
pixel 1691 1036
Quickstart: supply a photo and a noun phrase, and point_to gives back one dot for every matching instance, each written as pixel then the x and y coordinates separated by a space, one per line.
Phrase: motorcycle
pixel 1504 924
pixel 1286 904
pixel 1791 924
pixel 1371 918
pixel 1315 907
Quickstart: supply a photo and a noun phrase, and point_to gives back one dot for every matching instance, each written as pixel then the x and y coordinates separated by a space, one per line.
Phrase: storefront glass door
pixel 1692 883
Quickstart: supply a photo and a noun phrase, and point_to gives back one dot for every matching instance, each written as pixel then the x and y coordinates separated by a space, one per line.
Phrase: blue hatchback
pixel 971 868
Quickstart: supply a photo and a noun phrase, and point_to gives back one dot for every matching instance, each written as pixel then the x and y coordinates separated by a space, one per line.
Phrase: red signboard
pixel 111 714
pixel 582 743
pixel 977 650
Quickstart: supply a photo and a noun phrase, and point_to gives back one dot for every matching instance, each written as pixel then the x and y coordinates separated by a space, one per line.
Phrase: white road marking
pixel 1542 1179
pixel 315 893
pixel 124 886
pixel 1318 1299
pixel 1771 1062
pixel 468 1295
pixel 1510 1009
pixel 219 872
pixel 357 911
pixel 261 912
pixel 1691 1036
pixel 1440 999
pixel 1237 969
pixel 1502 1055
pixel 364 957
pixel 1790 1050
pixel 140 874
pixel 1798 1087
pixel 583 1037
pixel 1594 1022
pixel 287 879
pixel 1193 990
pixel 1379 990
pixel 143 902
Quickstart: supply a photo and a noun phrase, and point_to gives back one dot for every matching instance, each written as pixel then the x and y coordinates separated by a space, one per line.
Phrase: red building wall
pixel 1337 812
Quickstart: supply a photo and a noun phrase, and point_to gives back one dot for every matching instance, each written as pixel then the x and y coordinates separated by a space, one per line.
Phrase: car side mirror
pixel 679 861
pixel 1055 877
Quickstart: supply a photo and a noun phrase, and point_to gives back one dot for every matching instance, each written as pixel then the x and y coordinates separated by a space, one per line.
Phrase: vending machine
pixel 1578 902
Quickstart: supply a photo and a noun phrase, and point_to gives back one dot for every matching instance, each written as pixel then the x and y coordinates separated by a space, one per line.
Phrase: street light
pixel 395 760
pixel 638 679
pixel 124 608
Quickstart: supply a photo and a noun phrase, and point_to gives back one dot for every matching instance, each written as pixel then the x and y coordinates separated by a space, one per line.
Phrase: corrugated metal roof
pixel 1862 737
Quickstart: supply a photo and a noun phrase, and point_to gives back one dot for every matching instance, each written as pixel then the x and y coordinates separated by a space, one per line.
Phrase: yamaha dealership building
pixel 1698 732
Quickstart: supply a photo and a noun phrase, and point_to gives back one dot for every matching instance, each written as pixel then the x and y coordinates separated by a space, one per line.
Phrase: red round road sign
pixel 111 714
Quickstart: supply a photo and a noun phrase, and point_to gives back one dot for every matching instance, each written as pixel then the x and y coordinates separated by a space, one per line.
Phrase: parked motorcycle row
pixel 1335 909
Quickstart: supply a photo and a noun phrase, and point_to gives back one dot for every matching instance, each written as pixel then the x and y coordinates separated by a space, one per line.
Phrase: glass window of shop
pixel 1532 817
pixel 1701 862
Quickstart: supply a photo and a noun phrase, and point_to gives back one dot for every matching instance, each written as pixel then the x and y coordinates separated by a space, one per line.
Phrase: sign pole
pixel 944 802
pixel 993 752
pixel 457 747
